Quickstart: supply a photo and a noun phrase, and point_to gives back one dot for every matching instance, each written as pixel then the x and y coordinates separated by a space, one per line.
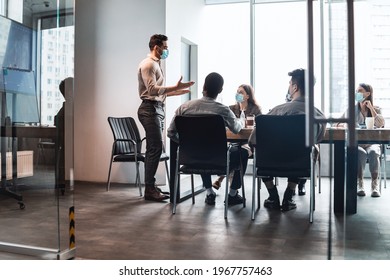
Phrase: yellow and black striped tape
pixel 72 239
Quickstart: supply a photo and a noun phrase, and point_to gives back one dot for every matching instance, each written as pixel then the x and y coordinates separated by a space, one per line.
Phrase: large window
pixel 280 45
pixel 372 37
pixel 57 63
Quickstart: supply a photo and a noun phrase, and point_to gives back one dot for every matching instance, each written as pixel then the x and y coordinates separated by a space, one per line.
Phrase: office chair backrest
pixel 202 141
pixel 125 128
pixel 280 146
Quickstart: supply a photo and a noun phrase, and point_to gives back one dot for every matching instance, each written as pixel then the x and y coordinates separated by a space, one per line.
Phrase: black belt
pixel 159 103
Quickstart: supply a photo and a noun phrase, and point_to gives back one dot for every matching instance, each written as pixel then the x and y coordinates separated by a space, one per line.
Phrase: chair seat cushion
pixel 203 170
pixel 128 158
pixel 140 157
pixel 164 157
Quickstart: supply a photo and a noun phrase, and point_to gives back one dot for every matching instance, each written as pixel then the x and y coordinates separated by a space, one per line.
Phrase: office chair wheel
pixel 21 205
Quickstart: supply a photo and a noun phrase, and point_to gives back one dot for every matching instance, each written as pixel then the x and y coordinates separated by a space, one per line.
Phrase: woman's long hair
pixel 370 98
pixel 251 93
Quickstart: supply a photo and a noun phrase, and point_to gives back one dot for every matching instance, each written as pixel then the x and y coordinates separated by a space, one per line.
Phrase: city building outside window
pixel 63 67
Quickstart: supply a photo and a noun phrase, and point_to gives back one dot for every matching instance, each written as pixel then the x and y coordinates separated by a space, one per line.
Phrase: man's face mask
pixel 288 96
pixel 164 54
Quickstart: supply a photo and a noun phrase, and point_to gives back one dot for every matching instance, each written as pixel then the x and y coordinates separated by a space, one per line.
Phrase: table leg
pixel 351 189
pixel 345 163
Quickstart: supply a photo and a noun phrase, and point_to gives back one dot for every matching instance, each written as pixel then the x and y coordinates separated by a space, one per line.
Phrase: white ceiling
pixel 45 6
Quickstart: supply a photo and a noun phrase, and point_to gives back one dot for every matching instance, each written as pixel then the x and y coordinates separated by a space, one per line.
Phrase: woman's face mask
pixel 239 97
pixel 359 97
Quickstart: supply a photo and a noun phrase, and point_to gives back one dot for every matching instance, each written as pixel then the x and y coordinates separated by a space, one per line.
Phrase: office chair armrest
pixel 125 140
pixel 142 140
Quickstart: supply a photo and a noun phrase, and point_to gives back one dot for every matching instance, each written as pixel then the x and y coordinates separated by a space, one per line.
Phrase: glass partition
pixel 350 45
pixel 36 85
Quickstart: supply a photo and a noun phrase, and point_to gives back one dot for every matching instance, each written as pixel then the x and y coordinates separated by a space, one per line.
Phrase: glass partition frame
pixel 334 46
pixel 41 198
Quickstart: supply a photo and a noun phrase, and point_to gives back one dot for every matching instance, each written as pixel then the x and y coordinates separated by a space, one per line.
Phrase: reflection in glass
pixel 36 156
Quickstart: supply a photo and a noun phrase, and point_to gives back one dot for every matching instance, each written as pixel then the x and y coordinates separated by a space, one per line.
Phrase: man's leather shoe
pixel 288 205
pixel 210 199
pixel 272 203
pixel 234 200
pixel 154 195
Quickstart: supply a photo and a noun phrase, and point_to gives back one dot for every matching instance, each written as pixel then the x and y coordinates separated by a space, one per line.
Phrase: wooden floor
pixel 120 224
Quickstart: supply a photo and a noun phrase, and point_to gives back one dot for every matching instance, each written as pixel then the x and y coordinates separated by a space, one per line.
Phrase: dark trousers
pixel 234 164
pixel 151 115
pixel 292 180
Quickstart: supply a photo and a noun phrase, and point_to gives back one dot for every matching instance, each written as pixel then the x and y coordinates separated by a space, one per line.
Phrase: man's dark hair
pixel 157 39
pixel 213 84
pixel 298 78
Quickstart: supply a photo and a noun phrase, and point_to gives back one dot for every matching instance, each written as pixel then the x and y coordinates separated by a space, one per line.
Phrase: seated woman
pixel 247 104
pixel 371 152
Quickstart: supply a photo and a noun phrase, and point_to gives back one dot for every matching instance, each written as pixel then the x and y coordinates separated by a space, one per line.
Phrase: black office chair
pixel 127 147
pixel 281 151
pixel 44 145
pixel 202 149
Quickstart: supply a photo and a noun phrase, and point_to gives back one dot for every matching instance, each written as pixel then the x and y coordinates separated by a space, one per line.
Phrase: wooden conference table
pixel 337 137
pixel 345 169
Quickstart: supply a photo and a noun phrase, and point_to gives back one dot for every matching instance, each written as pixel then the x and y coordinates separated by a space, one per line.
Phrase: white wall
pixel 183 20
pixel 111 39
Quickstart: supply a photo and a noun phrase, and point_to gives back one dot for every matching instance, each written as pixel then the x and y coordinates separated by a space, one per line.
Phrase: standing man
pixel 151 113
